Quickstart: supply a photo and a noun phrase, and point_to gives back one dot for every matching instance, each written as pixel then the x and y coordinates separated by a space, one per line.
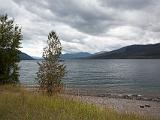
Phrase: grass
pixel 18 104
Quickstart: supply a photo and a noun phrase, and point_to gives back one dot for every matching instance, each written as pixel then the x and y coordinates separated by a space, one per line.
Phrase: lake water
pixel 118 76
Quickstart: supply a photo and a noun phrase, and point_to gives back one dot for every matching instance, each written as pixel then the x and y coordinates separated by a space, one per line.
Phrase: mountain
pixel 75 55
pixel 24 56
pixel 78 55
pixel 150 51
pixel 37 58
pixel 97 53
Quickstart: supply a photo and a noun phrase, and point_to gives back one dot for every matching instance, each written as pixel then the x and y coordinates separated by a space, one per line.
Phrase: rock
pixel 147 105
pixel 120 95
pixel 139 95
pixel 147 99
pixel 141 106
pixel 139 98
pixel 156 99
pixel 108 95
pixel 127 96
pixel 135 96
pixel 101 95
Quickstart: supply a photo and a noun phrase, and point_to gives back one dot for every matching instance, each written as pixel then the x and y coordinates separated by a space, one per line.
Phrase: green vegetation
pixel 51 70
pixel 18 104
pixel 10 37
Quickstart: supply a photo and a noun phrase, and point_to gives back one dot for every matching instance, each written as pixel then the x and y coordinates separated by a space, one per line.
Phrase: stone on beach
pixel 147 105
pixel 141 106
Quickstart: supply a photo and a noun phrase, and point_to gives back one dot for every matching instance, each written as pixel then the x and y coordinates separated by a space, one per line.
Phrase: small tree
pixel 51 70
pixel 10 40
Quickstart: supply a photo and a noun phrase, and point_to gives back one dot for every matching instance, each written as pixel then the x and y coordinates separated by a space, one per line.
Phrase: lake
pixel 110 76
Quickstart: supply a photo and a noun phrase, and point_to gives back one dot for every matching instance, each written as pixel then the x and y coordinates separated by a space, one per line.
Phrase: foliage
pixel 51 70
pixel 10 40
pixel 23 105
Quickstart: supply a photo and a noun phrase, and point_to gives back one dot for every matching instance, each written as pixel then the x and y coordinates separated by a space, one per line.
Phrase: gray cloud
pixel 128 4
pixel 85 25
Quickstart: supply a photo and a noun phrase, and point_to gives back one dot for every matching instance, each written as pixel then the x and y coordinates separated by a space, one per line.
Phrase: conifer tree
pixel 51 70
pixel 10 40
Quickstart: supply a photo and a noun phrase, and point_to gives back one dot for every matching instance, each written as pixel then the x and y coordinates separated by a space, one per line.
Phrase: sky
pixel 85 25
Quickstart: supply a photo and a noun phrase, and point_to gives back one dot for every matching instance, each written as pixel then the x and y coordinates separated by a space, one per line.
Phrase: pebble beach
pixel 151 109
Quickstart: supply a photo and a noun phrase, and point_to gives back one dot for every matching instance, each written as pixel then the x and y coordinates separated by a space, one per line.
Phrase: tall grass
pixel 18 104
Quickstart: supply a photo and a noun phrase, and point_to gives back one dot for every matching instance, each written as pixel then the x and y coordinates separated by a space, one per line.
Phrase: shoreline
pixel 151 109
pixel 113 95
pixel 77 92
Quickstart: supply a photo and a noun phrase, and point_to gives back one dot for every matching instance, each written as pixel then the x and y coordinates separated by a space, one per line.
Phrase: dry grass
pixel 18 104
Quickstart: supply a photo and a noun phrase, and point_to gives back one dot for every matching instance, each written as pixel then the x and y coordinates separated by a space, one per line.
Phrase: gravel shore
pixel 147 108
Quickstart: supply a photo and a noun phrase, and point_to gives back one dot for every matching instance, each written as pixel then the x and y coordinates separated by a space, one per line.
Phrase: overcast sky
pixel 85 25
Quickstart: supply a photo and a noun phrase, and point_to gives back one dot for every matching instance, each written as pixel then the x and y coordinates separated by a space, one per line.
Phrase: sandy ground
pixel 152 109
